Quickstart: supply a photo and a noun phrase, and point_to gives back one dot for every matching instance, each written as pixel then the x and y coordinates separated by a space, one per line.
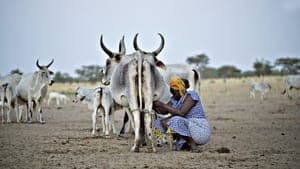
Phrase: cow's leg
pixel 8 112
pixel 148 99
pixel 2 111
pixel 57 102
pixel 148 126
pixel 112 122
pixel 252 95
pixel 49 100
pixel 106 120
pixel 16 108
pixel 19 109
pixel 136 118
pixel 29 109
pixel 39 109
pixel 94 119
pixel 125 120
pixel 288 93
pixel 131 126
pixel 262 96
pixel 2 100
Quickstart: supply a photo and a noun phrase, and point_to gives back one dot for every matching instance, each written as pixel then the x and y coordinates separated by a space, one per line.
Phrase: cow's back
pixel 293 80
pixel 26 84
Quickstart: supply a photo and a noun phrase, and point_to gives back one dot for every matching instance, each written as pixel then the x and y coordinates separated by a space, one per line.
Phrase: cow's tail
pixel 140 83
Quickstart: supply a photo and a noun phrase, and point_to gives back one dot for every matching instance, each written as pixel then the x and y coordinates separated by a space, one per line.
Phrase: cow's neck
pixel 38 85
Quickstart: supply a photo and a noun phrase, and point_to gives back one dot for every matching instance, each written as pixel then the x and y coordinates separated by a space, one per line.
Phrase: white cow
pixel 98 99
pixel 136 82
pixel 8 94
pixel 263 88
pixel 58 97
pixel 32 89
pixel 291 81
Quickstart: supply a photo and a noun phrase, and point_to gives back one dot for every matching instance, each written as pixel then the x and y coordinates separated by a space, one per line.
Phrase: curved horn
pixel 162 44
pixel 50 63
pixel 107 51
pixel 38 65
pixel 136 47
pixel 122 49
pixel 156 52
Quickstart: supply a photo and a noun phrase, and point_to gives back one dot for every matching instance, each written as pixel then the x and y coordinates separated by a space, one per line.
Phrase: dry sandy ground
pixel 259 134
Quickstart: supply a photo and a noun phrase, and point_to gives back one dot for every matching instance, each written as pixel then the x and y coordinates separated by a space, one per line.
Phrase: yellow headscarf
pixel 177 84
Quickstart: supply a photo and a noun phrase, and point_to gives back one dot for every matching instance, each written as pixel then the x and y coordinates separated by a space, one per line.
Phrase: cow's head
pixel 153 54
pixel 113 60
pixel 79 96
pixel 45 74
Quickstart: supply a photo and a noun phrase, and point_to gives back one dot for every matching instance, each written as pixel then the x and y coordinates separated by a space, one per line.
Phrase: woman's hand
pixel 157 104
pixel 159 107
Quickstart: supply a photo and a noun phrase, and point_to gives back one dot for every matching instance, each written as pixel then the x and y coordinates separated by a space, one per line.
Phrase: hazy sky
pixel 229 32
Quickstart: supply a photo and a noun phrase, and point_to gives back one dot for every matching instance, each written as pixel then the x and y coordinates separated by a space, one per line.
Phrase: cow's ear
pixel 160 64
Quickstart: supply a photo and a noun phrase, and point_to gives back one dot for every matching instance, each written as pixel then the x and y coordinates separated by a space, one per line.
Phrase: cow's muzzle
pixel 51 82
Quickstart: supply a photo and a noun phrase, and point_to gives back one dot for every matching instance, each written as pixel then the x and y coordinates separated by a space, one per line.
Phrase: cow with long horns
pixel 135 83
pixel 32 89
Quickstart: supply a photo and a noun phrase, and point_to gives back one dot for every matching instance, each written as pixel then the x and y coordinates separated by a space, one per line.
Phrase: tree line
pixel 282 66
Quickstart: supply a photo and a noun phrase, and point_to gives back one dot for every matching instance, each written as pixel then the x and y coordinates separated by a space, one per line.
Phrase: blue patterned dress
pixel 194 124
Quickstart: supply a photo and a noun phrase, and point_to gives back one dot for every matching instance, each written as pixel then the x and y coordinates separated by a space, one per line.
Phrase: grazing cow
pixel 135 83
pixel 263 88
pixel 98 99
pixel 58 97
pixel 32 89
pixel 291 81
pixel 8 94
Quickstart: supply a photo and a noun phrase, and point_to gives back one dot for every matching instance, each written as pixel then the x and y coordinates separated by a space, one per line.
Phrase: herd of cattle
pixel 130 82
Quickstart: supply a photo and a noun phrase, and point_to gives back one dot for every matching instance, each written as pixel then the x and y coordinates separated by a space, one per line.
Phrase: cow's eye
pixel 51 73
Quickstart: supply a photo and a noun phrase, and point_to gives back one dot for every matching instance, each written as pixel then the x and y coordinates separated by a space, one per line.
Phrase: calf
pixel 291 81
pixel 58 97
pixel 263 88
pixel 98 99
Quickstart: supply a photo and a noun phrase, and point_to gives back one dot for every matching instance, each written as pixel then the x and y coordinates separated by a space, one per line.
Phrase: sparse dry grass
pixel 233 88
pixel 238 88
pixel 69 88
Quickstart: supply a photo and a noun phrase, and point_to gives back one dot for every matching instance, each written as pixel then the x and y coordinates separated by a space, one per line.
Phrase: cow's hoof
pixel 121 135
pixel 135 149
pixel 151 149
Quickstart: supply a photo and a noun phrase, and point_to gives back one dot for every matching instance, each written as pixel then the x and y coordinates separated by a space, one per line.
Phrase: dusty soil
pixel 258 134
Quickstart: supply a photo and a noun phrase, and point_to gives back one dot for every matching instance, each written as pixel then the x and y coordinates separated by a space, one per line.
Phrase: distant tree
pixel 16 71
pixel 289 65
pixel 91 73
pixel 209 72
pixel 200 60
pixel 248 73
pixel 229 71
pixel 63 77
pixel 262 67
